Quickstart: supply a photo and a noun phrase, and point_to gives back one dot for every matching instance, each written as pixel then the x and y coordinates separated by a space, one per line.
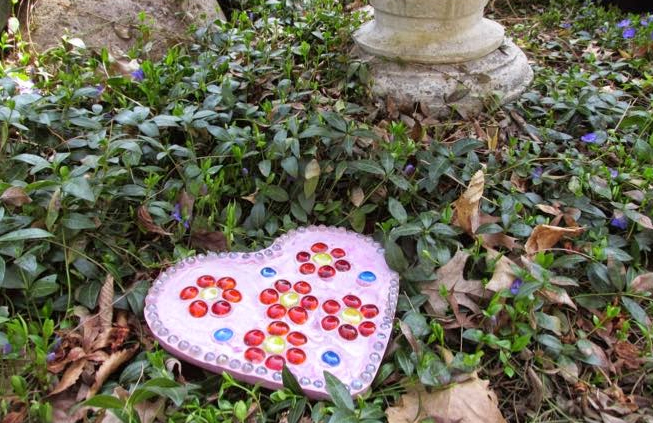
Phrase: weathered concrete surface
pixel 464 86
pixel 115 24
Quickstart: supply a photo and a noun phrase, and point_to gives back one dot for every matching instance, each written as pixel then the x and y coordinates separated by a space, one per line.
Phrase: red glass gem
pixel 319 247
pixel 369 311
pixel 254 338
pixel 226 283
pixel 255 355
pixel 221 308
pixel 367 328
pixel 188 293
pixel 295 356
pixel 342 265
pixel 282 285
pixel 232 295
pixel 307 268
pixel 303 256
pixel 331 306
pixel 338 253
pixel 268 296
pixel 298 315
pixel 302 287
pixel 309 302
pixel 326 272
pixel 348 332
pixel 275 362
pixel 278 328
pixel 205 281
pixel 276 311
pixel 351 301
pixel 330 322
pixel 296 338
pixel 198 308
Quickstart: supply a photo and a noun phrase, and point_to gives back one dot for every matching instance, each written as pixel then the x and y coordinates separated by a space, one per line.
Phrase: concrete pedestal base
pixel 466 86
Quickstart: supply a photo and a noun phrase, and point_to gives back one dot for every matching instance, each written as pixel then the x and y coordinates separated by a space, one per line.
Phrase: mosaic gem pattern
pixel 320 298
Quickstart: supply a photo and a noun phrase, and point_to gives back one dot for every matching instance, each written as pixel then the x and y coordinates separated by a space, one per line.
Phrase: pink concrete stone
pixel 320 298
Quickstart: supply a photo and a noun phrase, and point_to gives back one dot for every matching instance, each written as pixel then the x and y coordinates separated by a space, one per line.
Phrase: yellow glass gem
pixel 274 344
pixel 322 259
pixel 351 316
pixel 209 293
pixel 289 299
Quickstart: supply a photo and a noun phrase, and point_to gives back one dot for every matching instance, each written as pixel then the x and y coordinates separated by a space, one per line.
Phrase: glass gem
pixel 223 335
pixel 338 253
pixel 342 265
pixel 302 287
pixel 351 301
pixel 367 277
pixel 276 311
pixel 319 247
pixel 268 272
pixel 331 358
pixel 348 332
pixel 298 315
pixel 255 355
pixel 209 293
pixel 205 281
pixel 282 285
pixel 326 272
pixel 296 338
pixel 330 322
pixel 268 296
pixel 232 295
pixel 351 316
pixel 369 311
pixel 221 308
pixel 226 283
pixel 295 356
pixel 303 256
pixel 198 308
pixel 275 362
pixel 189 293
pixel 274 345
pixel 322 259
pixel 289 299
pixel 307 268
pixel 331 306
pixel 367 328
pixel 278 328
pixel 254 338
pixel 309 302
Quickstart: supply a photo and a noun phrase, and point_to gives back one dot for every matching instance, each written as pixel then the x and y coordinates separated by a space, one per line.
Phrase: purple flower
pixel 99 89
pixel 613 173
pixel 566 25
pixel 409 170
pixel 177 215
pixel 623 24
pixel 619 221
pixel 516 284
pixel 57 343
pixel 138 75
pixel 50 357
pixel 245 171
pixel 629 33
pixel 589 138
pixel 7 349
pixel 537 172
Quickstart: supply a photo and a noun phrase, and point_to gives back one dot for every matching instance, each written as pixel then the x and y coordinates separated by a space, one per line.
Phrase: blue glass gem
pixel 331 358
pixel 367 277
pixel 223 335
pixel 268 272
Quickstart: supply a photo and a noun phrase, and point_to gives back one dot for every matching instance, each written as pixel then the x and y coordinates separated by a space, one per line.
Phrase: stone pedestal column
pixel 442 53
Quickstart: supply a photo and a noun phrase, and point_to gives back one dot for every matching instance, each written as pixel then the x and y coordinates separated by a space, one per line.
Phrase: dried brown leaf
pixel 417 133
pixel 499 240
pixel 112 364
pixel 503 275
pixel 544 237
pixel 70 376
pixel 557 295
pixel 410 337
pixel 104 318
pixel 467 402
pixel 209 241
pixel 186 203
pixel 357 196
pixel 15 196
pixel 145 219
pixel 466 214
pixel 64 410
pixel 642 283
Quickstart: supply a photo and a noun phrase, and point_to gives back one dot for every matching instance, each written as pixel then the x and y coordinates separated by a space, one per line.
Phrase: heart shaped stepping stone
pixel 320 298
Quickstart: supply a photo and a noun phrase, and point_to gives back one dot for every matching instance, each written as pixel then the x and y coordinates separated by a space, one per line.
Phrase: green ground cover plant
pixel 523 236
